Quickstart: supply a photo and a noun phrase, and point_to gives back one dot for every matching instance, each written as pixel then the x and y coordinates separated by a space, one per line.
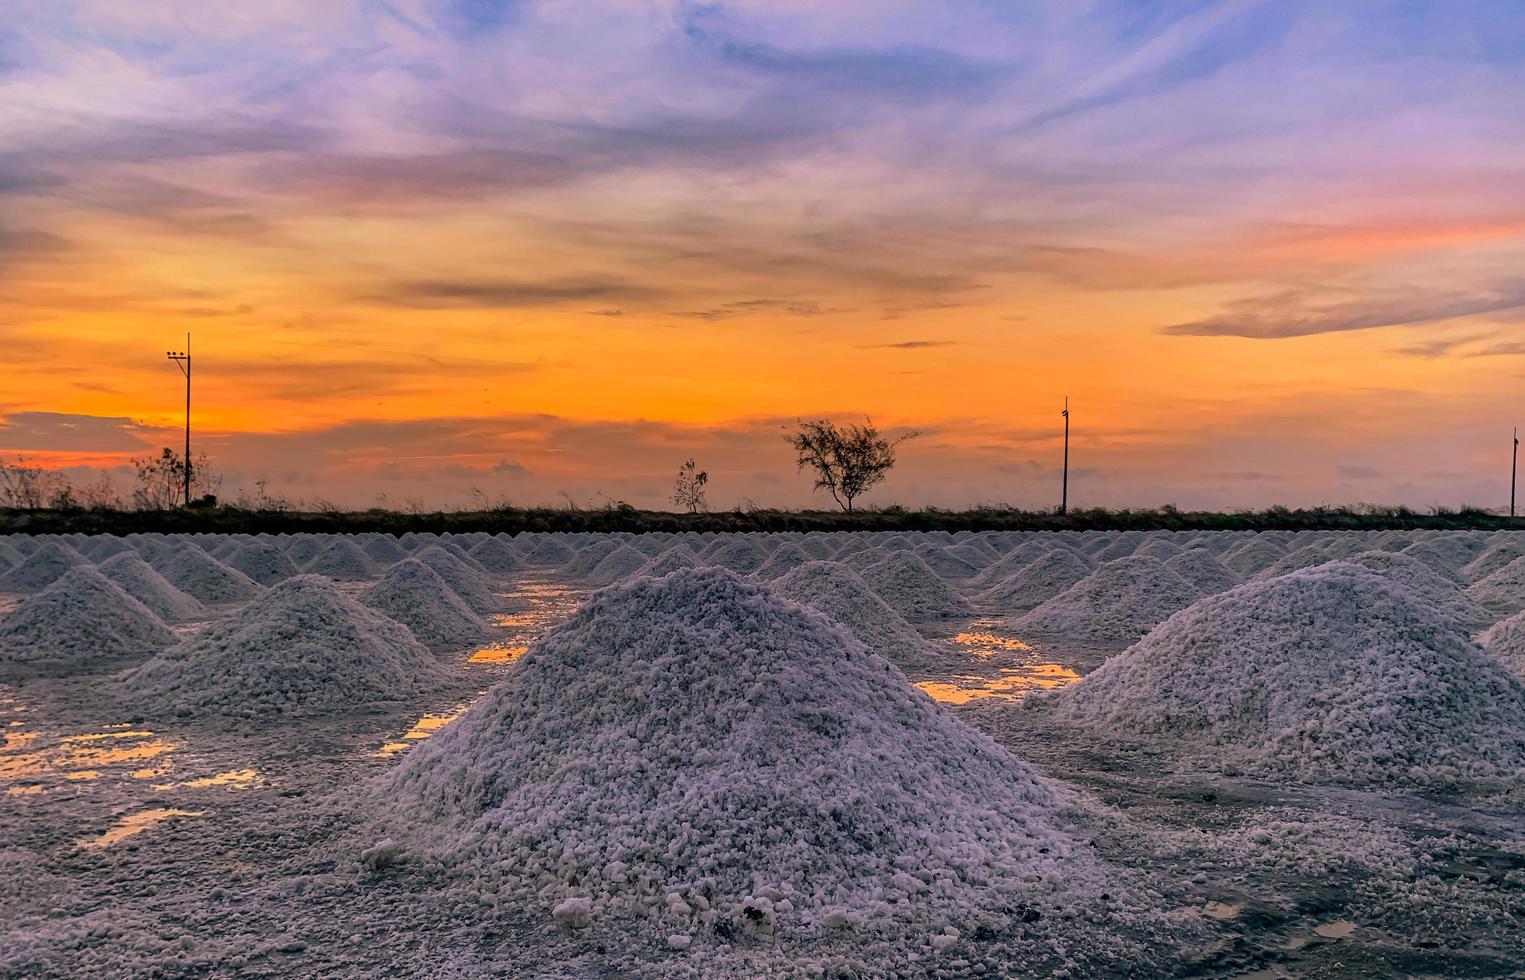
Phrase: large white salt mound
pixel 620 563
pixel 1120 601
pixel 1425 582
pixel 1502 549
pixel 912 589
pixel 497 556
pixel 468 582
pixel 262 562
pixel 414 595
pixel 841 594
pixel 1502 593
pixel 139 580
pixel 302 645
pixel 785 558
pixel 544 550
pixel 1506 641
pixel 198 574
pixel 1035 581
pixel 10 557
pixel 1251 555
pixel 103 546
pixel 587 558
pixel 948 566
pixel 303 548
pixel 1447 554
pixel 738 553
pixel 1206 573
pixel 383 549
pixel 40 569
pixel 1332 673
pixel 698 746
pixel 1021 556
pixel 342 560
pixel 673 559
pixel 818 546
pixel 81 620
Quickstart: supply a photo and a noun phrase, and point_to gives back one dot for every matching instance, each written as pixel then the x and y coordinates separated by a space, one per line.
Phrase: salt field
pixel 1267 754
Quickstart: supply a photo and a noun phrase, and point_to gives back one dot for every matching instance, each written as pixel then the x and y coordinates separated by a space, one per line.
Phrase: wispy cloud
pixel 1301 314
pixel 909 345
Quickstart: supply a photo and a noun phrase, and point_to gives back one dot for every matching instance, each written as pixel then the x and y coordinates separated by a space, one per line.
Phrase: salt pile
pixel 1502 549
pixel 947 565
pixel 696 747
pixel 263 563
pixel 44 566
pixel 1207 575
pixel 785 558
pixel 912 589
pixel 738 553
pixel 81 620
pixel 1158 546
pixel 1332 673
pixel 103 546
pixel 1448 553
pixel 342 560
pixel 1502 593
pixel 843 597
pixel 818 546
pixel 672 560
pixel 1119 602
pixel 303 548
pixel 587 558
pixel 1506 641
pixel 497 556
pixel 198 574
pixel 9 556
pixel 383 549
pixel 304 644
pixel 1020 557
pixel 466 581
pixel 1252 555
pixel 620 563
pixel 545 550
pixel 414 595
pixel 1035 581
pixel 139 579
pixel 1122 546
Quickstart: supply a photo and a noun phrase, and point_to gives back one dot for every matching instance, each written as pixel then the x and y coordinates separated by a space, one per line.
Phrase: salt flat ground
pixel 144 842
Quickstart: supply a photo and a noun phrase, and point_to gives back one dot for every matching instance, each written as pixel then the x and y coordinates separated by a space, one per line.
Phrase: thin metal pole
pixel 187 420
pixel 1514 469
pixel 1064 499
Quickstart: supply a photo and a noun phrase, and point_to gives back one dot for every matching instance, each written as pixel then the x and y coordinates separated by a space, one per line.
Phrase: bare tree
pixel 847 460
pixel 688 489
pixel 161 479
pixel 27 486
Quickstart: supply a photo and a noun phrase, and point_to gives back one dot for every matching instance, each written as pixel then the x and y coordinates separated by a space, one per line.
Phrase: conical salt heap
pixel 466 580
pixel 587 558
pixel 44 566
pixel 618 564
pixel 739 553
pixel 544 549
pixel 83 620
pixel 673 559
pixel 1119 602
pixel 1207 574
pixel 262 562
pixel 196 573
pixel 1502 593
pixel 1332 673
pixel 1506 641
pixel 912 589
pixel 343 561
pixel 383 549
pixel 1503 548
pixel 497 556
pixel 698 747
pixel 303 645
pixel 785 558
pixel 414 595
pixel 140 580
pixel 1035 581
pixel 842 596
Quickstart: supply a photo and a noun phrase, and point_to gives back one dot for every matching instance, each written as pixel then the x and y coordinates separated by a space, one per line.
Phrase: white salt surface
pixel 618 564
pixel 497 556
pixel 912 589
pixel 198 574
pixel 262 562
pixel 673 559
pixel 81 620
pixel 342 560
pixel 467 581
pixel 141 581
pixel 841 594
pixel 303 645
pixel 1502 593
pixel 1120 601
pixel 1034 581
pixel 41 568
pixel 1506 641
pixel 1333 673
pixel 414 595
pixel 692 751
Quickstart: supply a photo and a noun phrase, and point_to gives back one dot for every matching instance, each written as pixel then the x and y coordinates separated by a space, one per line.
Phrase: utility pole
pixel 1064 499
pixel 1514 469
pixel 182 360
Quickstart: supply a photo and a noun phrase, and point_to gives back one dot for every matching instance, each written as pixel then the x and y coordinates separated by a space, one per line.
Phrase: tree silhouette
pixel 847 460
pixel 688 490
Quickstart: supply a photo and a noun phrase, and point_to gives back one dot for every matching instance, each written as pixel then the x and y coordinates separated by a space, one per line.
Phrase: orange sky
pixel 546 252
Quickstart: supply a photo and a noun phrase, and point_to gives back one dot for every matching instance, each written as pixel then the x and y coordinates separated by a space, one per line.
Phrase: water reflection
pixel 136 823
pixel 985 643
pixel 233 779
pixel 1010 684
pixel 497 655
pixel 76 756
pixel 421 729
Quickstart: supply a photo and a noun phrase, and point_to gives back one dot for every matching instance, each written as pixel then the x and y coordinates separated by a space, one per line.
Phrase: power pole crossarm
pixel 182 360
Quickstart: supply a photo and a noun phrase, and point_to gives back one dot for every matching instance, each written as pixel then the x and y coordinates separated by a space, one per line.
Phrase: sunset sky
pixel 1273 250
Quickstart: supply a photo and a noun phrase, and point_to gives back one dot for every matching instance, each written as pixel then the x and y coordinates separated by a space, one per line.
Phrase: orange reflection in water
pixel 79 756
pixel 135 823
pixel 1011 684
pixel 497 655
pixel 988 643
pixel 422 729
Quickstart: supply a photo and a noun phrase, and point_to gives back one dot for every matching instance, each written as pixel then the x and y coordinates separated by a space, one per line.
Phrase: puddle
pixel 32 790
pixel 136 823
pixel 76 755
pixel 986 643
pixel 1338 929
pixel 233 779
pixel 1223 911
pixel 497 655
pixel 1011 684
pixel 422 729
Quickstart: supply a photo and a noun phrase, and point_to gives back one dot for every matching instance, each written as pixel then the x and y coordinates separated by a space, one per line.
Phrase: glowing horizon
pixel 1270 250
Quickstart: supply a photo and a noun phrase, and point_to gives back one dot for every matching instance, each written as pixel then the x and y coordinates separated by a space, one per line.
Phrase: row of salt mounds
pixel 383 549
pixel 618 564
pixel 1036 581
pixel 303 645
pixel 140 580
pixel 587 558
pixel 414 595
pixel 1502 593
pixel 672 560
pixel 466 579
pixel 40 569
pixel 1502 549
pixel 698 746
pixel 1020 557
pixel 1506 641
pixel 785 559
pixel 342 560
pixel 1119 602
pixel 1333 673
pixel 196 573
pixel 545 550
pixel 497 556
pixel 81 620
pixel 843 597
pixel 263 563
pixel 912 589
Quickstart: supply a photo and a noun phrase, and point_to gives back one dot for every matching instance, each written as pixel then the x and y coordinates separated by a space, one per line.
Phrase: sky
pixel 440 252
